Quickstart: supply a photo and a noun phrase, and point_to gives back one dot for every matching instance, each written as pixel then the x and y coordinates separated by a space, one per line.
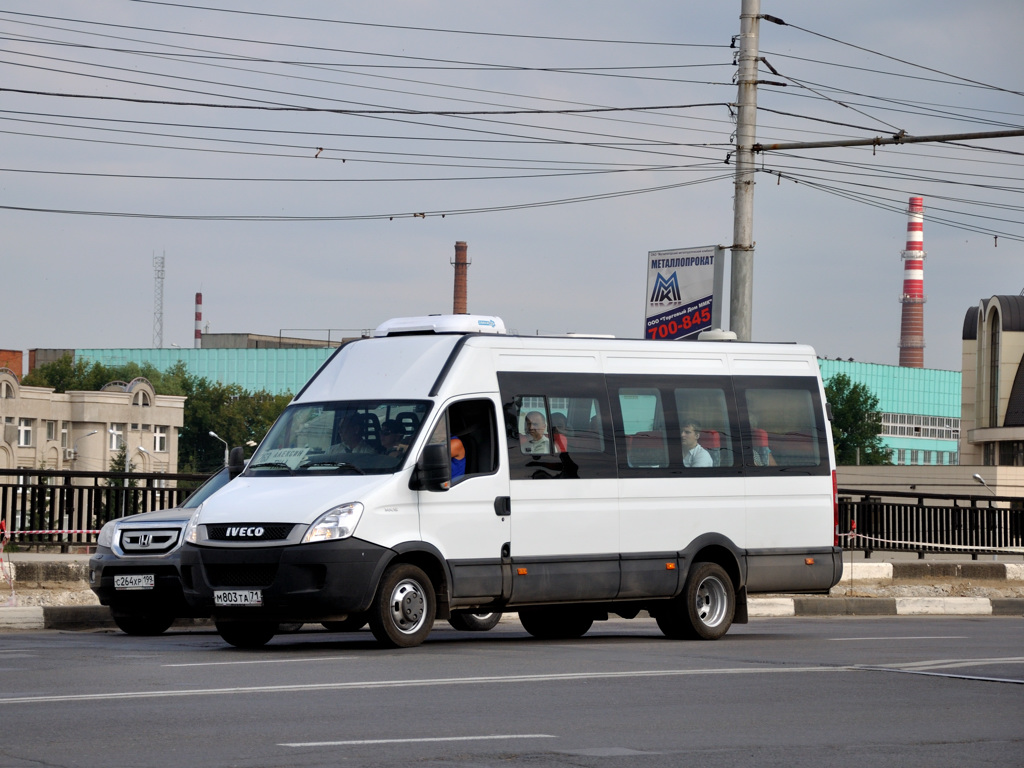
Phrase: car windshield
pixel 209 487
pixel 360 437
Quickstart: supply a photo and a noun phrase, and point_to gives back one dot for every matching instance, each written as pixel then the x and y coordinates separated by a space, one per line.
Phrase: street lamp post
pixel 74 446
pixel 981 481
pixel 226 449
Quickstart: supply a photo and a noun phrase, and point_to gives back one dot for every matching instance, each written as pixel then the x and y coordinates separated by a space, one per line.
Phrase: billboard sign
pixel 684 292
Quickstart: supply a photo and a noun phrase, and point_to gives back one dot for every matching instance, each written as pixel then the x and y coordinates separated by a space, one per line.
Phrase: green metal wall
pixel 278 371
pixel 918 391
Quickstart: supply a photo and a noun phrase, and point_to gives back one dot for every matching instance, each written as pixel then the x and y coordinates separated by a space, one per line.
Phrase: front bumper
pixel 326 581
pixel 165 598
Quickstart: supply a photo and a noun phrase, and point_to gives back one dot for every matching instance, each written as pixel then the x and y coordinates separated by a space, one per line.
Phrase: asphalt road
pixel 940 691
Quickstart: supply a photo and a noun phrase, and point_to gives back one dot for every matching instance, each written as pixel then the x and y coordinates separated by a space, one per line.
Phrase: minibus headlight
pixel 337 523
pixel 106 537
pixel 192 529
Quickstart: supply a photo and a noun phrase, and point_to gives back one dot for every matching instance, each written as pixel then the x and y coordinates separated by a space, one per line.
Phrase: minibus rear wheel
pixel 403 611
pixel 705 609
pixel 246 634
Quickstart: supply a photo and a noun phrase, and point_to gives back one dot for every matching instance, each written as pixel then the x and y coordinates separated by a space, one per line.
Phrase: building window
pixel 116 437
pixel 51 430
pixel 64 435
pixel 993 372
pixel 989 459
pixel 24 433
pixel 160 439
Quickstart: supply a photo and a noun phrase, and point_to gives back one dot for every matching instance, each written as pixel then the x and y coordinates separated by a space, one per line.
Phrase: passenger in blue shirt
pixel 458 454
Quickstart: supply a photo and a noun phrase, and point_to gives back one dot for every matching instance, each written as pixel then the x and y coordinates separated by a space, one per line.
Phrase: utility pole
pixel 741 290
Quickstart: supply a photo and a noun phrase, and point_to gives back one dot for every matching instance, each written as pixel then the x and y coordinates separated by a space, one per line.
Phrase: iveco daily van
pixel 444 469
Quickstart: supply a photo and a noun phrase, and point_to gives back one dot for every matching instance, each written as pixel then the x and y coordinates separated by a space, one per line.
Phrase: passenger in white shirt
pixel 537 434
pixel 694 455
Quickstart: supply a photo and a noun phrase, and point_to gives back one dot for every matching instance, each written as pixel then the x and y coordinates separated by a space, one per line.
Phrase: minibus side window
pixel 473 423
pixel 571 438
pixel 784 428
pixel 643 422
pixel 708 411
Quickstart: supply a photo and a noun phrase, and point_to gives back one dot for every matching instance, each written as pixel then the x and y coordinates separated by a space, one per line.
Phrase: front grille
pixel 241 575
pixel 149 541
pixel 248 531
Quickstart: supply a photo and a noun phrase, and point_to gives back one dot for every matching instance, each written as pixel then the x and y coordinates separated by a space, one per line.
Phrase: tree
pixel 856 423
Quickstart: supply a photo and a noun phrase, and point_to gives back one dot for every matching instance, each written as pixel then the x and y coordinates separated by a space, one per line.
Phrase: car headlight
pixel 192 529
pixel 337 523
pixel 106 537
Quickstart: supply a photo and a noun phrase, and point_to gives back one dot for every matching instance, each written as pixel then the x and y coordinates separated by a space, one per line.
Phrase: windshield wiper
pixel 274 464
pixel 334 464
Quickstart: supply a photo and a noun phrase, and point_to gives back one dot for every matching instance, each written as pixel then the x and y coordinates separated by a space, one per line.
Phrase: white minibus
pixel 444 469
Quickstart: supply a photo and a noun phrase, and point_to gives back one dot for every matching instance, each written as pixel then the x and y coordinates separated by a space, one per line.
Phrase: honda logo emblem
pixel 145 539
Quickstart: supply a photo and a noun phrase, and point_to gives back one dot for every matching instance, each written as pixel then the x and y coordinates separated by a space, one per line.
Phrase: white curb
pixel 21 618
pixel 943 606
pixel 1015 571
pixel 767 607
pixel 866 572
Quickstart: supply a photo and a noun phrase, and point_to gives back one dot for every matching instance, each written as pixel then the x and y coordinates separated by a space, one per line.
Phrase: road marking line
pixel 259 661
pixel 363 742
pixel 376 685
pixel 922 637
pixel 925 673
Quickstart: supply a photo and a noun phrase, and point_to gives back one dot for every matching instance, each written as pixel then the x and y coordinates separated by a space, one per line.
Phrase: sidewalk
pixel 51 591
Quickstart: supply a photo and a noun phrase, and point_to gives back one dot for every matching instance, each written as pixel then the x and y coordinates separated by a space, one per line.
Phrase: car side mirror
pixel 433 470
pixel 236 461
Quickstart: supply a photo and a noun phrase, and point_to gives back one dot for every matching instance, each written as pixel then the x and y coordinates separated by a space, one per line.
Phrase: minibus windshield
pixel 361 437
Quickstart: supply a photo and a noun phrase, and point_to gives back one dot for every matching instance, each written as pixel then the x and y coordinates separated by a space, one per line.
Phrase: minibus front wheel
pixel 246 634
pixel 143 624
pixel 403 611
pixel 706 608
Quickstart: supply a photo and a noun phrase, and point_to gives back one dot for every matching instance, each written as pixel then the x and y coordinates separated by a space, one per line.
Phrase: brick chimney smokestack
pixel 461 271
pixel 913 298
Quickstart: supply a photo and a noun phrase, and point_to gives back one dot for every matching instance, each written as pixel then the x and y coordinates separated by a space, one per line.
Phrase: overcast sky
pixel 263 157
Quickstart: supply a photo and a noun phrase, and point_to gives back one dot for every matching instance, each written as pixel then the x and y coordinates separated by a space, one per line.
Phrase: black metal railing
pixel 871 520
pixel 67 508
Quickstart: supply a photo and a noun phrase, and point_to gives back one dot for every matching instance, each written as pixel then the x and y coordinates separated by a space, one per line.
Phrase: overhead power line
pixel 320 20
pixel 329 110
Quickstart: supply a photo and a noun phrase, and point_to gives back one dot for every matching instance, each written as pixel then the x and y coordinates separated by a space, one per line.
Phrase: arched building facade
pixel 992 407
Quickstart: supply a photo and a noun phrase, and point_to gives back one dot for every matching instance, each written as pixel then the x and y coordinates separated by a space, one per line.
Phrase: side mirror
pixel 433 470
pixel 236 461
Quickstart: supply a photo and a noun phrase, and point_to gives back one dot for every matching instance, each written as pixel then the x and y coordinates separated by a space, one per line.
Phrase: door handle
pixel 502 505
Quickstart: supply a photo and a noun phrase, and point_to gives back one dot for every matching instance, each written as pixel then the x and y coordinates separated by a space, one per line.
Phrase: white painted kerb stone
pixel 943 606
pixel 767 607
pixel 21 618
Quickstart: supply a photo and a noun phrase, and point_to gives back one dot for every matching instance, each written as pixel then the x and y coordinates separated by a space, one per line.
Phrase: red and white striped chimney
pixel 199 321
pixel 913 298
